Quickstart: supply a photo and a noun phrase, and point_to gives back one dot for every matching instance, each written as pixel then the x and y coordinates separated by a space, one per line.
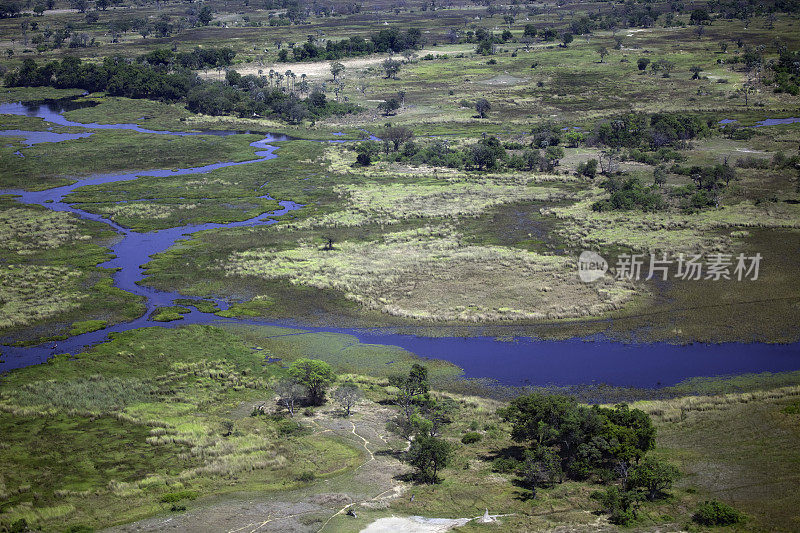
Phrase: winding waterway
pixel 517 362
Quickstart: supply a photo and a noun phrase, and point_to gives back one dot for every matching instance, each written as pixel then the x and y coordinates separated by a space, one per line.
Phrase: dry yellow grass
pixel 430 274
pixel 677 232
pixel 31 293
pixel 26 231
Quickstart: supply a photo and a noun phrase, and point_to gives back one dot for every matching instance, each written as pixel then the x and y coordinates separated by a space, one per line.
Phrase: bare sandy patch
pixel 321 69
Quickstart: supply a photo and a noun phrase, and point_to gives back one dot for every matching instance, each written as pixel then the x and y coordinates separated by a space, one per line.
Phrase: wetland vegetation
pixel 197 200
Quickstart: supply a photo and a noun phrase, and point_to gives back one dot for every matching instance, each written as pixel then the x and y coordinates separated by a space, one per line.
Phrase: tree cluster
pixel 387 40
pixel 161 76
pixel 420 419
pixel 565 440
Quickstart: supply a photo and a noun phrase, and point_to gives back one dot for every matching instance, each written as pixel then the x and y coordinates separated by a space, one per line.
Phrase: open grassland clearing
pixel 674 232
pixel 181 421
pixel 389 203
pixel 764 310
pixel 739 449
pixel 48 165
pixel 430 274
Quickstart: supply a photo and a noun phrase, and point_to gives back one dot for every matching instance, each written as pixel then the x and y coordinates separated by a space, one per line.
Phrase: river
pixel 519 361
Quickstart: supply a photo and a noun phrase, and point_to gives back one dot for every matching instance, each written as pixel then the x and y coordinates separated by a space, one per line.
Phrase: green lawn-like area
pixel 140 403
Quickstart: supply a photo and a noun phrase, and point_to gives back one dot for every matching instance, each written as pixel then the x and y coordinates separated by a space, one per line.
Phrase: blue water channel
pixel 519 361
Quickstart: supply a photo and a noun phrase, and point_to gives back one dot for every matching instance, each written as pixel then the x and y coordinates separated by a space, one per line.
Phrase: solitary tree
pixel 389 106
pixel 482 106
pixel 336 69
pixel 409 388
pixel 391 67
pixel 289 392
pixel 566 38
pixel 314 375
pixel 428 455
pixel 660 176
pixel 347 395
pixel 746 90
pixel 603 51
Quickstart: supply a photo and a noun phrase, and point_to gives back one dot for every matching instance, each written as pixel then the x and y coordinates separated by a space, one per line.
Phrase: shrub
pixel 288 426
pixel 620 505
pixel 715 513
pixel 471 437
pixel 505 465
pixel 792 409
pixel 364 160
pixel 172 497
pixel 307 477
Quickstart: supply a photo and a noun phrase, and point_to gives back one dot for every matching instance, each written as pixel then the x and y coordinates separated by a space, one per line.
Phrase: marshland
pixel 278 265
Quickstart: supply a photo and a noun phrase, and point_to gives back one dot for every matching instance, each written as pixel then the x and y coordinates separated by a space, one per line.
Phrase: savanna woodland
pixel 399 265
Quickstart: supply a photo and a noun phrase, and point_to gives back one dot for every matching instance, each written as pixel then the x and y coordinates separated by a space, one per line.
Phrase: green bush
pixel 287 427
pixel 619 504
pixel 471 437
pixel 792 409
pixel 504 465
pixel 172 497
pixel 307 477
pixel 715 513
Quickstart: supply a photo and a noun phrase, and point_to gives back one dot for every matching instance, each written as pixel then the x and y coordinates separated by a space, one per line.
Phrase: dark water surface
pixel 517 362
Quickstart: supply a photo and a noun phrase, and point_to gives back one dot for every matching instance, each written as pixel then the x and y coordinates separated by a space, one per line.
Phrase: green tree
pixel 391 67
pixel 529 31
pixel 653 476
pixel 205 16
pixel 482 156
pixel 660 176
pixel 336 69
pixel 619 504
pixel 428 455
pixel 409 387
pixel 542 467
pixel 389 106
pixel 315 375
pixel 482 106
pixel 715 513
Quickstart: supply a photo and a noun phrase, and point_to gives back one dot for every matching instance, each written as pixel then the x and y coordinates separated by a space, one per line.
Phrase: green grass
pixel 204 306
pixel 86 326
pixel 55 164
pixel 52 278
pixel 169 314
pixel 156 424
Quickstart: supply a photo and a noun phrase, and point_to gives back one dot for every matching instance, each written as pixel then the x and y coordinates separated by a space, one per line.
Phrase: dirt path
pixel 307 509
